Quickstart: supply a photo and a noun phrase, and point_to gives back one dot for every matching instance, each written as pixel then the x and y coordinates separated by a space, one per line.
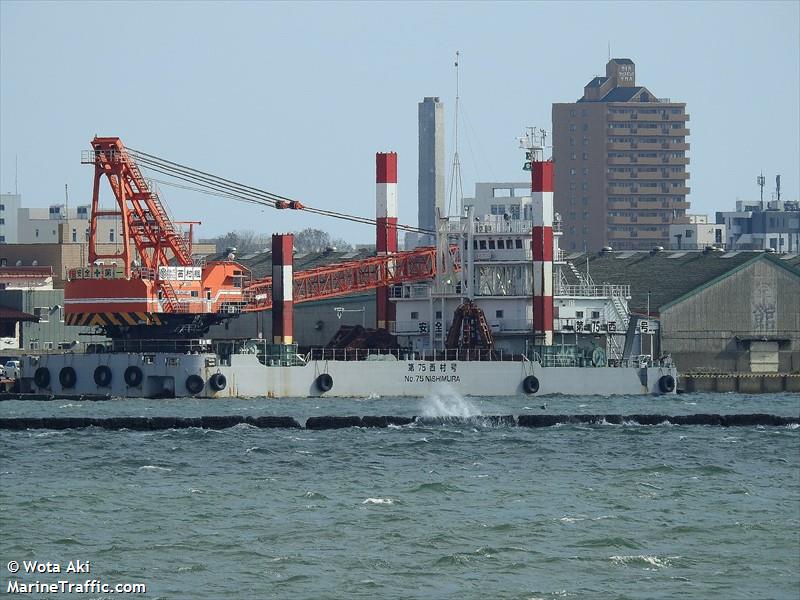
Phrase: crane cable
pixel 233 190
pixel 219 186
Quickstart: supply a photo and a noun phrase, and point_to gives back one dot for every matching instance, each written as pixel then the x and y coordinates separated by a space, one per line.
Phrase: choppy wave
pixel 644 560
pixel 439 511
pixel 386 501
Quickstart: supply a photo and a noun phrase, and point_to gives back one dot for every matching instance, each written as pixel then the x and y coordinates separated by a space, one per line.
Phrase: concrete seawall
pixel 744 383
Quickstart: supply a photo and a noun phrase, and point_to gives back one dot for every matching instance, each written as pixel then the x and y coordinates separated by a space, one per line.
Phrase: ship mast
pixel 456 185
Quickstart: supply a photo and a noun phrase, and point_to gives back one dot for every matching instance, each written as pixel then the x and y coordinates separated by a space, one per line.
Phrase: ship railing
pixel 595 291
pixel 406 355
pixel 151 346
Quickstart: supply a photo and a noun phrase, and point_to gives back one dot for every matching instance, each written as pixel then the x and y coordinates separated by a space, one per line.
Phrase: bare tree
pixel 316 240
pixel 307 240
pixel 243 241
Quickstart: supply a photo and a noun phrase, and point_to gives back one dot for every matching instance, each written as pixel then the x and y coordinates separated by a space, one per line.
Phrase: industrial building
pixel 33 313
pixel 697 234
pixel 711 310
pixel 774 225
pixel 621 163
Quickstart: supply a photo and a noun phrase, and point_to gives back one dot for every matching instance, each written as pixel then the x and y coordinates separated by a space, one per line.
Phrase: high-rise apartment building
pixel 621 164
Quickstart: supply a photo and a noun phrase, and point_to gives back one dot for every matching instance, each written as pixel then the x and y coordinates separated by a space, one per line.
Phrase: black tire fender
pixel 530 384
pixel 67 377
pixel 42 377
pixel 666 384
pixel 195 384
pixel 217 382
pixel 103 376
pixel 324 382
pixel 133 376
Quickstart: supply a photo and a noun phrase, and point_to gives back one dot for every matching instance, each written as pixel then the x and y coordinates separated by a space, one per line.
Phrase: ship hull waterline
pixel 176 375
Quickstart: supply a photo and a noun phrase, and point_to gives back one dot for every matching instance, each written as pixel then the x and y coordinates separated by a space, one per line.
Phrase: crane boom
pixel 347 278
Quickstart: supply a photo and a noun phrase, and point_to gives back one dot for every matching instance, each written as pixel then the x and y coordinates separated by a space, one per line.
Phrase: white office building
pixel 9 210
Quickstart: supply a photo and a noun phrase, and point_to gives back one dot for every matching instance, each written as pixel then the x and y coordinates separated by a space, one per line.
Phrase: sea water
pixel 438 509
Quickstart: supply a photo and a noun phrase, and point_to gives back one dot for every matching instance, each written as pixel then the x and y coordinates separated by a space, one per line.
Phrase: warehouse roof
pixel 666 275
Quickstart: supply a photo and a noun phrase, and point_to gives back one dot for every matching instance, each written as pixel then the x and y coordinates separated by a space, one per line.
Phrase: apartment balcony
pixel 616 190
pixel 659 190
pixel 632 130
pixel 646 146
pixel 646 161
pixel 649 235
pixel 661 220
pixel 638 234
pixel 679 206
pixel 620 146
pixel 621 118
pixel 671 118
pixel 666 219
pixel 618 220
pixel 621 205
pixel 673 146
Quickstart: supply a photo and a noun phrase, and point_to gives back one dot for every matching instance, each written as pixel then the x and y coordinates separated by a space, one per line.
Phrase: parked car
pixel 11 369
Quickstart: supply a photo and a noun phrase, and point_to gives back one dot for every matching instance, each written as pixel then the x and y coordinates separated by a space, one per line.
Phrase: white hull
pixel 166 374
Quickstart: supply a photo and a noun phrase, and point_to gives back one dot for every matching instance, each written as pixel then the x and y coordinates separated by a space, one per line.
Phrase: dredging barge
pixel 158 306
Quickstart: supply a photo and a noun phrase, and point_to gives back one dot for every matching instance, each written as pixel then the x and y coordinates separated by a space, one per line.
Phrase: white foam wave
pixel 571 519
pixel 448 403
pixel 387 501
pixel 154 468
pixel 647 559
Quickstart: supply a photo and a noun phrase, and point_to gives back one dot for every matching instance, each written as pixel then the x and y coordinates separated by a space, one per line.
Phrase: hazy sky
pixel 296 98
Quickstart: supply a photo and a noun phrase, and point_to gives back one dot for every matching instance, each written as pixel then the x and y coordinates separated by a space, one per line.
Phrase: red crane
pixel 166 293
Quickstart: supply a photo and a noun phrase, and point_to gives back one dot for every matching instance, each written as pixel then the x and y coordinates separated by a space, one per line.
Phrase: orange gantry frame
pixel 143 216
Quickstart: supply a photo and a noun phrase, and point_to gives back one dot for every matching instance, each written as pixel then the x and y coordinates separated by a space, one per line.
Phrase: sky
pixel 296 98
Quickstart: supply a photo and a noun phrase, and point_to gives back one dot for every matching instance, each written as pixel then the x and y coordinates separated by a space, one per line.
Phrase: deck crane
pixel 163 292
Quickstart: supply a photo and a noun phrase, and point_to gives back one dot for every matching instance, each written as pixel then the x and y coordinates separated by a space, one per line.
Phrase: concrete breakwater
pixel 341 422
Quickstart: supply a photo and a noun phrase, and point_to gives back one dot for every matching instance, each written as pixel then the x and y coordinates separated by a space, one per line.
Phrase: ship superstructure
pixel 495 237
